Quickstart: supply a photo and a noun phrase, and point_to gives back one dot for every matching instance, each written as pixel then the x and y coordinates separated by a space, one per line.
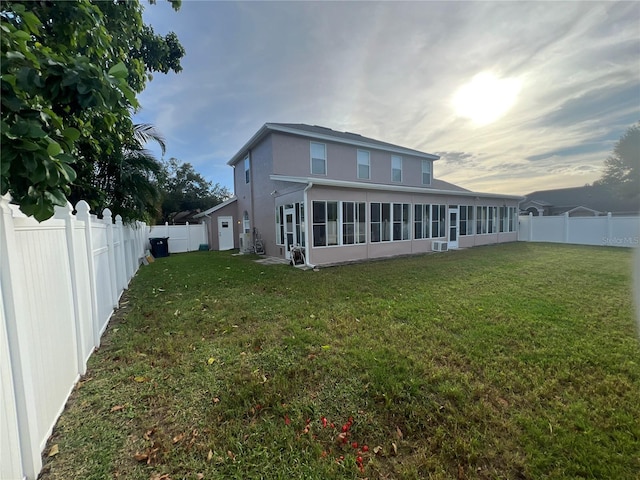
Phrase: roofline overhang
pixel 229 201
pixel 381 186
pixel 267 127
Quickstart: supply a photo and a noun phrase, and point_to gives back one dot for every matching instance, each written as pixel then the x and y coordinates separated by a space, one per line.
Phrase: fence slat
pixel 90 262
pixel 14 302
pixel 597 230
pixel 66 214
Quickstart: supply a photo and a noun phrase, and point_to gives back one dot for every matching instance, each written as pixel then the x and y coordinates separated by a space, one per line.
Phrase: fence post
pixel 107 220
pixel 66 213
pixel 166 229
pixel 609 229
pixel 17 335
pixel 530 232
pixel 188 237
pixel 84 215
pixel 566 227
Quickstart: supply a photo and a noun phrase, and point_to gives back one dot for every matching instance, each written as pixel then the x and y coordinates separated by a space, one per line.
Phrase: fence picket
pixel 89 265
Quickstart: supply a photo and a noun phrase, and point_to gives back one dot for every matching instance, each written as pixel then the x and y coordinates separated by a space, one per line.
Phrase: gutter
pixel 307 212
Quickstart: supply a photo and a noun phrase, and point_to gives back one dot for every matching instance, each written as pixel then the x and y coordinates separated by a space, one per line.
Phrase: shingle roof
pixel 315 131
pixel 602 198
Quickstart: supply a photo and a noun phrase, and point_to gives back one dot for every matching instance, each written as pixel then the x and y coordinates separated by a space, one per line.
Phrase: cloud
pixel 390 70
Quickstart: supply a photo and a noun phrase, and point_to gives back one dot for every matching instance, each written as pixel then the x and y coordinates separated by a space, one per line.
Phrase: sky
pixel 513 96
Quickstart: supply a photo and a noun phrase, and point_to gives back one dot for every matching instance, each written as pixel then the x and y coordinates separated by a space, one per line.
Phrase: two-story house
pixel 344 197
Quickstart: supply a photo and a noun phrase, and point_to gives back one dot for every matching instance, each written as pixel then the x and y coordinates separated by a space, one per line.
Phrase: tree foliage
pixel 622 167
pixel 70 72
pixel 184 189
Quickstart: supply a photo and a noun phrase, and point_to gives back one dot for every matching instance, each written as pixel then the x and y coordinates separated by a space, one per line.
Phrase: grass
pixel 516 361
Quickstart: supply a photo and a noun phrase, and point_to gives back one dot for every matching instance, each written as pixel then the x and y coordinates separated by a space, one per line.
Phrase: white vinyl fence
pixel 182 238
pixel 60 282
pixel 603 230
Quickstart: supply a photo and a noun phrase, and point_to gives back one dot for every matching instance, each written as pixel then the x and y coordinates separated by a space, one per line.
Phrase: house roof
pixel 217 207
pixel 437 187
pixel 327 134
pixel 600 198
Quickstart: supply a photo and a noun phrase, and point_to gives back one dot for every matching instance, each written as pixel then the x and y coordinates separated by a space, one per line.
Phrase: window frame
pixel 438 220
pixel 312 158
pixel 326 221
pixel 394 169
pixel 400 225
pixel 280 225
pixel 428 171
pixel 359 163
pixel 247 170
pixel 467 221
pixel 355 211
pixel 422 221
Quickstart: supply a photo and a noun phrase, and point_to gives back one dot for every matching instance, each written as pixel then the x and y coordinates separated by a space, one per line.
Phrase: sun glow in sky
pixel 486 98
pixel 513 96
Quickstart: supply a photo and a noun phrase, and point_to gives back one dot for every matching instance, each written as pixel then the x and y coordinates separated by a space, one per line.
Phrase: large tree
pixel 184 189
pixel 70 72
pixel 622 167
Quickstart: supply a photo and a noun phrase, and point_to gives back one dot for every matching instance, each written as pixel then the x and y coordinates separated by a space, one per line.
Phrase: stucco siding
pixel 292 157
pixel 262 213
pixel 230 210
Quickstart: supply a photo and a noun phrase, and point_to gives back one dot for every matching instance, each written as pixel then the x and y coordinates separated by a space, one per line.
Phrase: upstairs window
pixel 396 168
pixel 318 158
pixel 426 172
pixel 247 175
pixel 364 165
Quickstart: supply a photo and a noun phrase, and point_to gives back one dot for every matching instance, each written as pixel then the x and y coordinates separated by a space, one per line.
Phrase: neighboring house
pixel 344 197
pixel 590 200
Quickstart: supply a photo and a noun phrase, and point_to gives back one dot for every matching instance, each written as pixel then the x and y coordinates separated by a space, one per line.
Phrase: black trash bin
pixel 159 246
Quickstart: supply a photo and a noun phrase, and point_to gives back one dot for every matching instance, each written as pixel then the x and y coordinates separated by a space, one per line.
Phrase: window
pixel 318 158
pixel 279 225
pixel 300 223
pixel 380 222
pixel 486 220
pixel 512 219
pixel 421 226
pixel 503 218
pixel 492 220
pixel 376 222
pixel 426 172
pixel 247 175
pixel 364 165
pixel 325 224
pixel 353 223
pixel 401 221
pixel 246 225
pixel 466 220
pixel 396 168
pixel 438 215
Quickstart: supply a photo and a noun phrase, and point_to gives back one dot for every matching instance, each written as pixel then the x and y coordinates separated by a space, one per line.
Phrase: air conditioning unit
pixel 245 243
pixel 439 246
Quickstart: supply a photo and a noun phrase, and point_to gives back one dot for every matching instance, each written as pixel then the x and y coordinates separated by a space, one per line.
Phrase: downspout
pixel 307 215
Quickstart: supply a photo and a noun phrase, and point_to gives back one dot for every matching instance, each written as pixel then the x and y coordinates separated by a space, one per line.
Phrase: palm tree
pixel 126 180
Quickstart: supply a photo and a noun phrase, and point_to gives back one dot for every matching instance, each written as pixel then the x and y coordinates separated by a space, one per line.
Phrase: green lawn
pixel 515 361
